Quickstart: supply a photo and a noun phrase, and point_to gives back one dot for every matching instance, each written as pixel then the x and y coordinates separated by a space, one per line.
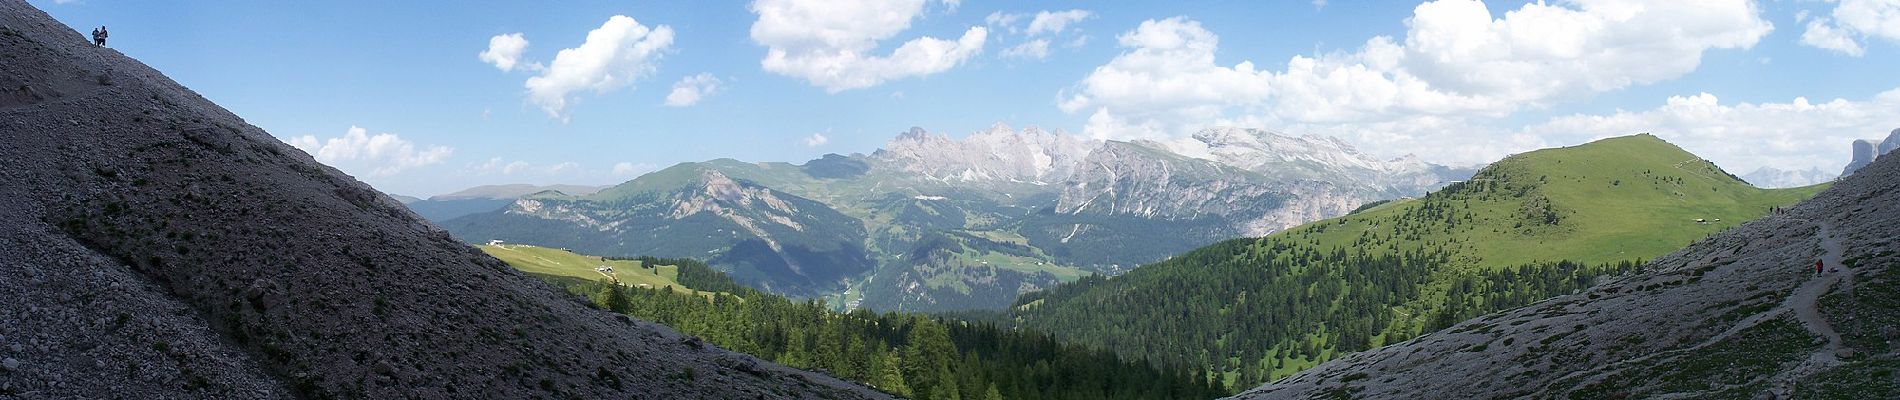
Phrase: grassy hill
pixel 1529 227
pixel 562 263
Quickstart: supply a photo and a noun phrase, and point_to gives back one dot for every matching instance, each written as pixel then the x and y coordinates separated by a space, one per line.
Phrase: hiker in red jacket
pixel 1818 264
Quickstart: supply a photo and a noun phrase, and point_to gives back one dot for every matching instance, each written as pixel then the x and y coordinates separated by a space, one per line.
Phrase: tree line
pixel 909 355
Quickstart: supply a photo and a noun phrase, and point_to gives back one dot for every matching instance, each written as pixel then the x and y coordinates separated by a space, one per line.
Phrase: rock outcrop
pixel 157 246
pixel 1866 151
pixel 1892 142
pixel 1863 152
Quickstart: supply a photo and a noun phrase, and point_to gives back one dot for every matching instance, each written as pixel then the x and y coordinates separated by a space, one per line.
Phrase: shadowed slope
pixel 159 247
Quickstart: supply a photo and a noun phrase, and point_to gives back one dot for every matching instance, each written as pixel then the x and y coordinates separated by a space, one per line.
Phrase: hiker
pixel 99 36
pixel 1818 265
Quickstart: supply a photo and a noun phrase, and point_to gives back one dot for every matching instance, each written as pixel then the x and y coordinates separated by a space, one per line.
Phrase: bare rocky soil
pixel 154 246
pixel 1740 315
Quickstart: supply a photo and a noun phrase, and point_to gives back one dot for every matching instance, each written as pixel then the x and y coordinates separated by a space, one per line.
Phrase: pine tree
pixel 613 297
pixel 891 376
pixel 927 357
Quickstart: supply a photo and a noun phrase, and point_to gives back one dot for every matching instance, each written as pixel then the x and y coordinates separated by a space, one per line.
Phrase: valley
pixel 909 355
pixel 1243 200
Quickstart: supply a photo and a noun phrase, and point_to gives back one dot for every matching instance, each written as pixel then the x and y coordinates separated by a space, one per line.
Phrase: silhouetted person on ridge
pixel 99 36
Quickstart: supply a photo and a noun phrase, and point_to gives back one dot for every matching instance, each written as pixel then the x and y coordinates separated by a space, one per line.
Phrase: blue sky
pixel 1452 81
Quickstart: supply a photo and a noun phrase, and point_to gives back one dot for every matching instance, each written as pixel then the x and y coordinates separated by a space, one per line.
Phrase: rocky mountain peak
pixel 915 133
pixel 998 153
pixel 1267 152
pixel 1771 177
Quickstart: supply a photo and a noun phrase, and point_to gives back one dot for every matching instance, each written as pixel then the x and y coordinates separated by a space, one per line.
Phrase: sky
pixel 423 98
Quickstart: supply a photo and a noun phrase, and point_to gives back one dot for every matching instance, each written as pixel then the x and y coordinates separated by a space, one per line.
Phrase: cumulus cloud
pixel 828 43
pixel 1740 137
pixel 1055 22
pixel 1852 22
pixel 382 154
pixel 689 90
pixel 615 55
pixel 563 167
pixel 1823 35
pixel 816 139
pixel 630 168
pixel 1004 20
pixel 1454 62
pixel 1039 32
pixel 498 165
pixel 1168 76
pixel 1034 49
pixel 504 51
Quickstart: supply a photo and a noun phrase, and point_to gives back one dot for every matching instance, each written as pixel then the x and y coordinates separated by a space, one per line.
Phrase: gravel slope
pixel 153 245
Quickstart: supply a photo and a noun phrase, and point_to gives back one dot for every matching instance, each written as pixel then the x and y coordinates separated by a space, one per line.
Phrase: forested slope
pixel 907 354
pixel 1740 315
pixel 1529 227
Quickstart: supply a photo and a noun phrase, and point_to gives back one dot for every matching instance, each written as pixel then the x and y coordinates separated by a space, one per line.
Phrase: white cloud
pixel 1820 34
pixel 1876 18
pixel 689 90
pixel 569 166
pixel 615 55
pixel 629 168
pixel 383 154
pixel 1542 52
pixel 504 51
pixel 1055 22
pixel 1319 4
pixel 1742 137
pixel 1455 62
pixel 1167 77
pixel 517 166
pixel 1852 18
pixel 1794 135
pixel 498 165
pixel 828 43
pixel 1041 31
pixel 1033 49
pixel 1004 20
pixel 816 139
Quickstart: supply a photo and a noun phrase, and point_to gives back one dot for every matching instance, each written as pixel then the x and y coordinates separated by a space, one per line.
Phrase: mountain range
pixel 1775 178
pixel 929 222
pixel 1531 226
pixel 482 199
